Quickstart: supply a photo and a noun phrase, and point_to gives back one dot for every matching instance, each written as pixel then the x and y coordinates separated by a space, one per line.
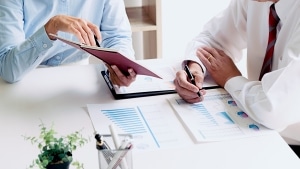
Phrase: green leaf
pixel 55 148
pixel 45 162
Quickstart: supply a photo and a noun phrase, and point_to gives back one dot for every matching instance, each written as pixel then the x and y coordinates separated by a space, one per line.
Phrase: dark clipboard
pixel 132 95
pixel 111 57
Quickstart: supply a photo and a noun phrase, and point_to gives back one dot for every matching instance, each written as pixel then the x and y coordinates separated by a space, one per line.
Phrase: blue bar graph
pixel 127 119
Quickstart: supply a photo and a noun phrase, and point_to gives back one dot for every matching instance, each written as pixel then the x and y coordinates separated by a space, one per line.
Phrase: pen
pixel 191 77
pixel 96 40
pixel 100 143
pixel 103 147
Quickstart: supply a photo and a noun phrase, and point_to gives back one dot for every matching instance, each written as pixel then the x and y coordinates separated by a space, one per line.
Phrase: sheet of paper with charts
pixel 152 124
pixel 217 118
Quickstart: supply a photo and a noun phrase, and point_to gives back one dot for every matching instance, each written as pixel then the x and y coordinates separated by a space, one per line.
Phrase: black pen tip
pixel 96 40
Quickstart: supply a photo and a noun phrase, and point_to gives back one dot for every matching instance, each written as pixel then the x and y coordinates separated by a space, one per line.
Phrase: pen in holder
pixel 111 157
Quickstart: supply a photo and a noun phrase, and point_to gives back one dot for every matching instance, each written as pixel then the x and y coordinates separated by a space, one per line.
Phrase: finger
pixel 67 24
pixel 132 74
pixel 92 38
pixel 111 71
pixel 95 29
pixel 208 55
pixel 72 29
pixel 213 51
pixel 202 55
pixel 113 79
pixel 83 31
pixel 124 80
pixel 88 34
pixel 129 79
pixel 83 35
pixel 118 72
pixel 112 76
pixel 221 52
pixel 92 31
pixel 188 96
pixel 181 78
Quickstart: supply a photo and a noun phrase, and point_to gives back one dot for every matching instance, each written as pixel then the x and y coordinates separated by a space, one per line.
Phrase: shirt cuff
pixel 201 65
pixel 41 40
pixel 235 84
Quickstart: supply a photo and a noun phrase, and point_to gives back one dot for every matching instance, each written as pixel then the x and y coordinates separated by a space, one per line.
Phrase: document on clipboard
pixel 151 86
pixel 145 85
pixel 111 57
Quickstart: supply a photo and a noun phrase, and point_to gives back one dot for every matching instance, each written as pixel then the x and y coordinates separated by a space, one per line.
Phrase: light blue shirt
pixel 24 44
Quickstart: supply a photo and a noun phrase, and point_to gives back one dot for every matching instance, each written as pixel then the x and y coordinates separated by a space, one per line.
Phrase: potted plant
pixel 56 151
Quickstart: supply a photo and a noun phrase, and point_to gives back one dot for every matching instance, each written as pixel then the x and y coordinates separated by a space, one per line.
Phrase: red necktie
pixel 273 22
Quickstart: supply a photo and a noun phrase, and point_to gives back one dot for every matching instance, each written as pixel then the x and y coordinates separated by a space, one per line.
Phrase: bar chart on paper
pixel 216 118
pixel 152 124
pixel 127 119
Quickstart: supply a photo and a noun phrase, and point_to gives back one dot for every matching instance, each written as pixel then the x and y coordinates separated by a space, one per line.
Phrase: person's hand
pixel 185 89
pixel 81 28
pixel 218 64
pixel 118 78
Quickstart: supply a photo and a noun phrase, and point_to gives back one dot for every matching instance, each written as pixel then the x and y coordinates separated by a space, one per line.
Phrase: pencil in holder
pixel 111 157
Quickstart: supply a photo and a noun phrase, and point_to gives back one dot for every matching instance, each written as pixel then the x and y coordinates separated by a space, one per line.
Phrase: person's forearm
pixel 270 102
pixel 18 61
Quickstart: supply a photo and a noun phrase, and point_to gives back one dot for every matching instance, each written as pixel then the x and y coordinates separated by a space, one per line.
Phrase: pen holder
pixel 115 158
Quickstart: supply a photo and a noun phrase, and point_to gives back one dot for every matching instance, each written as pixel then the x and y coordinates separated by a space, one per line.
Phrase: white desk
pixel 60 95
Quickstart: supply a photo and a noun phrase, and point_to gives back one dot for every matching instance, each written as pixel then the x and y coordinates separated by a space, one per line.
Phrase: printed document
pixel 152 124
pixel 217 118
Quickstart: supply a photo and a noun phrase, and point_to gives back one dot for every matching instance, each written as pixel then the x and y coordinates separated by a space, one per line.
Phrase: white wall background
pixel 183 20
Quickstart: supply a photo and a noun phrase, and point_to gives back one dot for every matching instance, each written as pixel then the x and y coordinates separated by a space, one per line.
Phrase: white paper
pixel 148 83
pixel 153 125
pixel 216 118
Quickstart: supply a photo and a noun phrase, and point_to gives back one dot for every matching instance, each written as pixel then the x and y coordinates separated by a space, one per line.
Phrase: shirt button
pixel 45 45
pixel 58 57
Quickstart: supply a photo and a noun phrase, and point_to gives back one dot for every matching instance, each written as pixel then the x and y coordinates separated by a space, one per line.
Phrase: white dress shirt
pixel 273 101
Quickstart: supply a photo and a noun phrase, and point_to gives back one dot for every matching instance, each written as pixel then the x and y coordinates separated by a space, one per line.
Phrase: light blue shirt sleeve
pixel 24 44
pixel 116 29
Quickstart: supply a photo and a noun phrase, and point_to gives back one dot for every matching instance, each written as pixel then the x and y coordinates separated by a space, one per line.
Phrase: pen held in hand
pixel 96 40
pixel 191 77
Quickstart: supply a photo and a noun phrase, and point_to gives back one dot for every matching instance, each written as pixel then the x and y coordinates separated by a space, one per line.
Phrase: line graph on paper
pixel 216 118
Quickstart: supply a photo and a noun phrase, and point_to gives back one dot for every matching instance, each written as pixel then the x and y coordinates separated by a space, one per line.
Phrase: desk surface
pixel 60 95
